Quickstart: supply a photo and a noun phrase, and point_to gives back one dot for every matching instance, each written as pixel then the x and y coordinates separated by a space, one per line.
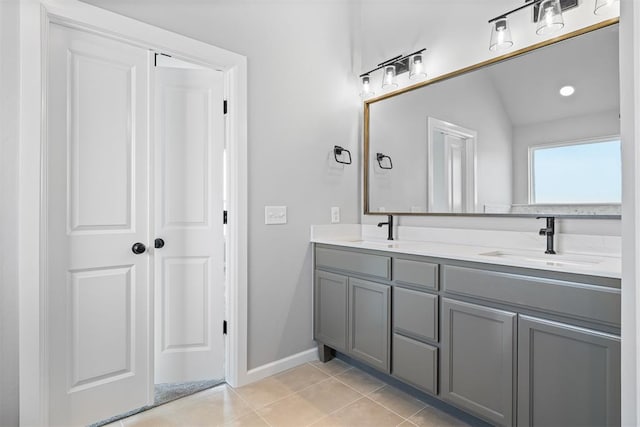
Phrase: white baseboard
pixel 277 366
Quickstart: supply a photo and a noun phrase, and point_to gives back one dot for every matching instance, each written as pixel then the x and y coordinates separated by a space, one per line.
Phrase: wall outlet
pixel 335 215
pixel 275 215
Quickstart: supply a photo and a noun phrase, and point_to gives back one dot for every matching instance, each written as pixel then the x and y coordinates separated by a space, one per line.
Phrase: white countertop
pixel 577 263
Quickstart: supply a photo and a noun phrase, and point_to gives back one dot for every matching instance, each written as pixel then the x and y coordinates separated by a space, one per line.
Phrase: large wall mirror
pixel 537 133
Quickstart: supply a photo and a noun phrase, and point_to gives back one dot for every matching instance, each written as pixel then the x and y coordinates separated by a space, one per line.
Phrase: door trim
pixel 35 18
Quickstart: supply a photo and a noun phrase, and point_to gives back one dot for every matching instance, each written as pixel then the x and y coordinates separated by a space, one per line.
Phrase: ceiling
pixel 589 63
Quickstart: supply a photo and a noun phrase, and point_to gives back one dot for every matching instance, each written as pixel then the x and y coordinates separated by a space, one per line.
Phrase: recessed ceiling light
pixel 567 90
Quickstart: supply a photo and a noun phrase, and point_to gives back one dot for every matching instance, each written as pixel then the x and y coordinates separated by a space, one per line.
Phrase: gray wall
pixel 9 113
pixel 302 101
pixel 398 128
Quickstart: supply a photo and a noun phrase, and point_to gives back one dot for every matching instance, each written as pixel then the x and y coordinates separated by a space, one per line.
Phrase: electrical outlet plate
pixel 335 215
pixel 275 215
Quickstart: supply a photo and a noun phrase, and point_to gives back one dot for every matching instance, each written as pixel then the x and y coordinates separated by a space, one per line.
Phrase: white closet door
pixel 189 287
pixel 96 189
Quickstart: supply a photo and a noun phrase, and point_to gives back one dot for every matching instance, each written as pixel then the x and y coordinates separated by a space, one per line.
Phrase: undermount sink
pixel 547 259
pixel 382 243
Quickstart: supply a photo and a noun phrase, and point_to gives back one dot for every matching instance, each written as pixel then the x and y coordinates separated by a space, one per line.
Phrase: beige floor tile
pixel 149 418
pixel 213 408
pixel 250 420
pixel 332 367
pixel 263 392
pixel 300 377
pixel 329 395
pixel 432 417
pixel 359 380
pixel 361 413
pixel 407 423
pixel 399 402
pixel 292 411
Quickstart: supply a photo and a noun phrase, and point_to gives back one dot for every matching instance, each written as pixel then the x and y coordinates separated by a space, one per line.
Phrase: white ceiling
pixel 589 63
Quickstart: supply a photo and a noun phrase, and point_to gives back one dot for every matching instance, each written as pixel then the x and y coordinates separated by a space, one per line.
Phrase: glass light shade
pixel 366 87
pixel 389 77
pixel 603 6
pixel 416 67
pixel 549 17
pixel 500 35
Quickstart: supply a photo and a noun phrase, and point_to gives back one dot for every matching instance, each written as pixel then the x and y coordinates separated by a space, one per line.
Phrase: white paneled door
pixel 96 208
pixel 102 168
pixel 189 286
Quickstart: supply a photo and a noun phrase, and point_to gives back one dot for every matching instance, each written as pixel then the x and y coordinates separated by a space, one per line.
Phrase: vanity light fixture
pixel 412 63
pixel 547 16
pixel 602 6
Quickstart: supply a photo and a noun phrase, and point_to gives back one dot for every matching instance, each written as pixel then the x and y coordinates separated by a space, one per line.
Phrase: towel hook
pixel 337 151
pixel 380 157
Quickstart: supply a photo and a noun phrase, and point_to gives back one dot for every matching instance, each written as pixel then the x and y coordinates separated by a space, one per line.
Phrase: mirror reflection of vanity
pixel 499 138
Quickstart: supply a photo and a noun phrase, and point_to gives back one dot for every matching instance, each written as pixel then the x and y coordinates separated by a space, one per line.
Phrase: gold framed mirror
pixel 503 137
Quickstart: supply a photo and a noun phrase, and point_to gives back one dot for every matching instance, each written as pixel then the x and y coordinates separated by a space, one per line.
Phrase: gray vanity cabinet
pixel 477 365
pixel 567 376
pixel 330 311
pixel 369 322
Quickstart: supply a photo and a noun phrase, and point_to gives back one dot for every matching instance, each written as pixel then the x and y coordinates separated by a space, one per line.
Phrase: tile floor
pixel 313 394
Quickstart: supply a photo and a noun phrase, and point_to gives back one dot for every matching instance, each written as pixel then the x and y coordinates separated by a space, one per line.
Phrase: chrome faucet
pixel 549 231
pixel 390 224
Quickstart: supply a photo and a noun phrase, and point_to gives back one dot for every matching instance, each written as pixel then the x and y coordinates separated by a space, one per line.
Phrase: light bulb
pixel 603 6
pixel 366 87
pixel 389 77
pixel 416 67
pixel 500 35
pixel 549 17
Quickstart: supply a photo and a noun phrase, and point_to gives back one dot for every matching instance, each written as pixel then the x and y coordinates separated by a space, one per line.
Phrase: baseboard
pixel 277 366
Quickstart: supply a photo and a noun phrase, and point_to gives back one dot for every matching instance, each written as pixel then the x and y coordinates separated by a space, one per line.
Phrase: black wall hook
pixel 380 157
pixel 337 151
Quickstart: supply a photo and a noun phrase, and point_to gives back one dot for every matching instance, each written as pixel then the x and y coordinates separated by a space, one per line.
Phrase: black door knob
pixel 138 248
pixel 158 243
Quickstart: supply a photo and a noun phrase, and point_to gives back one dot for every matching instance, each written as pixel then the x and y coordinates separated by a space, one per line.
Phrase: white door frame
pixel 471 137
pixel 35 18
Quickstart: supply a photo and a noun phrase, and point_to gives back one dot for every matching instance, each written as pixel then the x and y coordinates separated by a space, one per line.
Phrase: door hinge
pixel 224 217
pixel 155 58
pixel 224 107
pixel 224 327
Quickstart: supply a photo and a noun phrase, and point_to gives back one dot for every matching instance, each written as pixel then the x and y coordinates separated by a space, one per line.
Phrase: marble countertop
pixel 587 264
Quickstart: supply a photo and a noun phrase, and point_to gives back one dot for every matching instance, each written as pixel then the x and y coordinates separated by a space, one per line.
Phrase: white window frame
pixel 530 172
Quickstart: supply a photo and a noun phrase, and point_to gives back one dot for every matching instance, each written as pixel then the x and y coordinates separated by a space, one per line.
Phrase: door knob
pixel 158 243
pixel 138 248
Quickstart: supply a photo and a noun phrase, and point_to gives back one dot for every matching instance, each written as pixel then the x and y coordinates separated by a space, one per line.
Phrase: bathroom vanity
pixel 509 344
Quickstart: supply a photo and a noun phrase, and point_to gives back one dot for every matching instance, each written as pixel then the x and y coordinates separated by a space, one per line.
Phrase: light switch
pixel 335 215
pixel 275 214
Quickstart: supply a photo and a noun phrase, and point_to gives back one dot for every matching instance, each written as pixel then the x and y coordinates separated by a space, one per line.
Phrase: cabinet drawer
pixel 354 262
pixel 415 273
pixel 415 313
pixel 579 300
pixel 415 363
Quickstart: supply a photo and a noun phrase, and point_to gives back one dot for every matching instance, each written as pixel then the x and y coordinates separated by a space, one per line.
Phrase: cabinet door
pixel 416 363
pixel 369 308
pixel 567 376
pixel 330 307
pixel 478 347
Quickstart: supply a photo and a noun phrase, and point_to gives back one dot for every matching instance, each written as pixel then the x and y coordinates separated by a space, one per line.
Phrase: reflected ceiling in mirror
pixel 501 139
